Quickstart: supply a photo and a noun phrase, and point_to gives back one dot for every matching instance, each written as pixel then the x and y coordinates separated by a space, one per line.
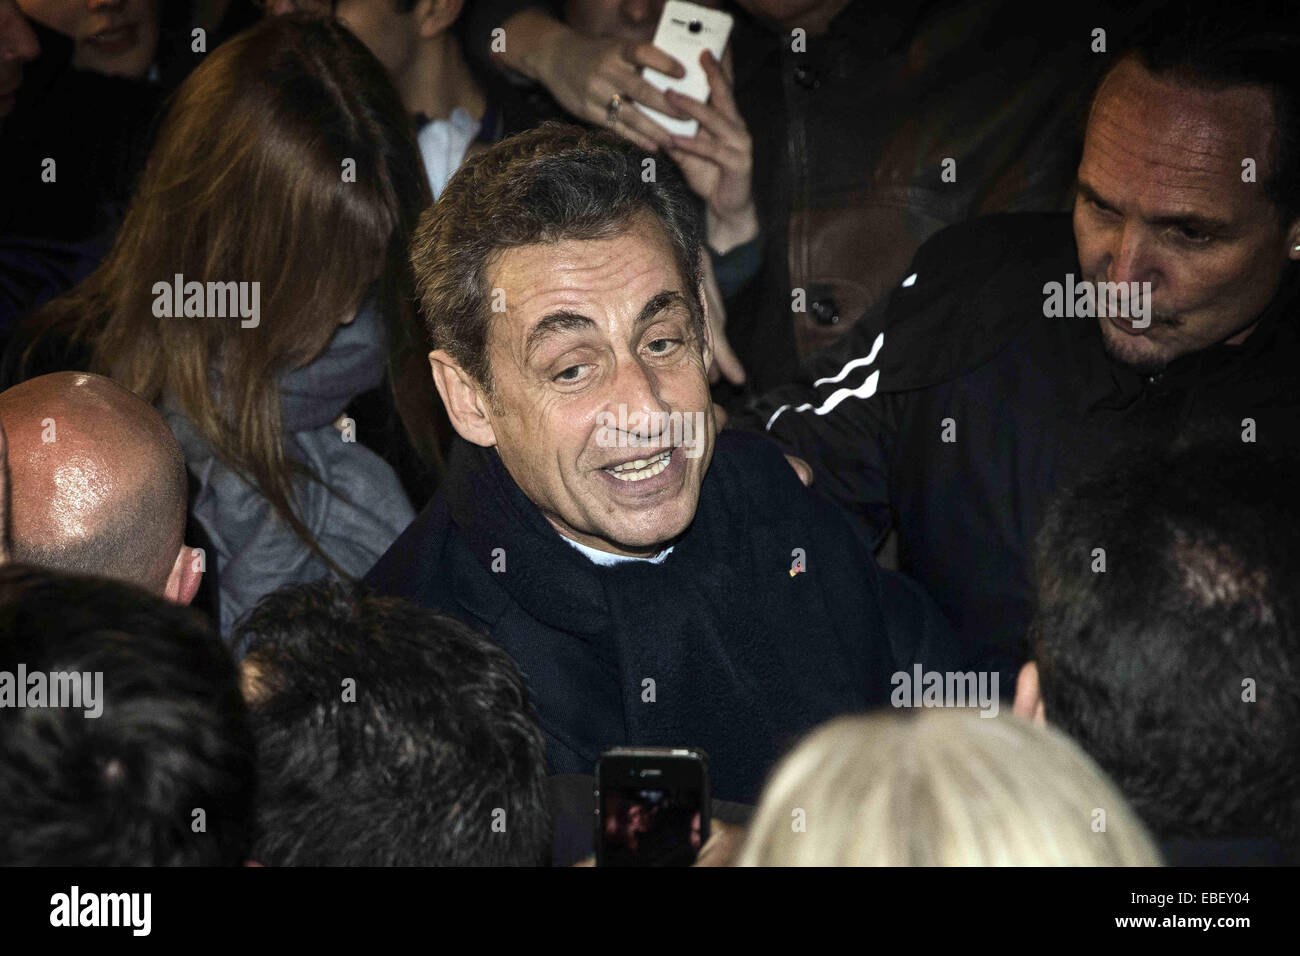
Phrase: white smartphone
pixel 684 31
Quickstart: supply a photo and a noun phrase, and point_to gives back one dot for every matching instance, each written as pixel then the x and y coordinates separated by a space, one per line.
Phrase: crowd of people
pixel 395 418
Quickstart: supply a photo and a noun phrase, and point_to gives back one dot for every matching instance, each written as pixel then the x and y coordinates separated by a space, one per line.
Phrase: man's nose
pixel 638 388
pixel 1133 257
pixel 21 43
pixel 642 11
pixel 283 7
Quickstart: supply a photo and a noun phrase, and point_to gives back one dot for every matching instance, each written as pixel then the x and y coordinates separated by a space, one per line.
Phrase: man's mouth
pixel 1126 325
pixel 114 41
pixel 639 469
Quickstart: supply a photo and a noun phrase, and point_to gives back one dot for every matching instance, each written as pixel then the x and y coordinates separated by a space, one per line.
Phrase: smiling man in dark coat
pixel 655 585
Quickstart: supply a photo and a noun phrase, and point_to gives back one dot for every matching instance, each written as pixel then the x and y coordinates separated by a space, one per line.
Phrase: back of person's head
pixel 1167 639
pixel 388 735
pixel 132 744
pixel 278 198
pixel 97 483
pixel 943 788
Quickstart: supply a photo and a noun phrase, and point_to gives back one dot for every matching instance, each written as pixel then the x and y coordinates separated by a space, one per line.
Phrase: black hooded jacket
pixel 955 410
pixel 718 647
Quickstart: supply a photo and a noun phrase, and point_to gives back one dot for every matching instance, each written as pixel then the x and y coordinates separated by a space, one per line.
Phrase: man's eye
pixel 1101 207
pixel 570 374
pixel 663 346
pixel 1194 236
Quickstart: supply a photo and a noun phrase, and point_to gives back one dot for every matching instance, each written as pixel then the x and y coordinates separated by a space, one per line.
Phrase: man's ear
pixel 466 405
pixel 1293 240
pixel 5 546
pixel 183 581
pixel 433 17
pixel 1029 701
pixel 708 323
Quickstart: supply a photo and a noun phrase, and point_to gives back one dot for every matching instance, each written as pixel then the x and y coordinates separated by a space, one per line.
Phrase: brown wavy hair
pixel 246 183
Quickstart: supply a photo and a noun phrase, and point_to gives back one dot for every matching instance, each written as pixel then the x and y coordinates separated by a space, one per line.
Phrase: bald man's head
pixel 97 482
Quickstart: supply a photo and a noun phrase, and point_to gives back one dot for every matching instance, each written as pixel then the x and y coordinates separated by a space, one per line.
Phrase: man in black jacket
pixel 1019 348
pixel 655 587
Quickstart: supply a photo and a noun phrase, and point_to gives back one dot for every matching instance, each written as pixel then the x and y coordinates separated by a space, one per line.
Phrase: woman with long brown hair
pixel 260 283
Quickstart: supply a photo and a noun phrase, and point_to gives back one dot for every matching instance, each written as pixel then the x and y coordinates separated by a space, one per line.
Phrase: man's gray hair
pixel 553 183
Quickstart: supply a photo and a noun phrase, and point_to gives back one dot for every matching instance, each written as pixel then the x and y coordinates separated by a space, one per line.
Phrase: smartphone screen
pixel 653 807
pixel 684 31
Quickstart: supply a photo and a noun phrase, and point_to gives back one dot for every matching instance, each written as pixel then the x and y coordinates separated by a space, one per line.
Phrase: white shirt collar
pixel 606 559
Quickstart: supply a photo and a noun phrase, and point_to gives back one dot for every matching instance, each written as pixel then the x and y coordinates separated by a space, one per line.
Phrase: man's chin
pixel 1134 351
pixel 646 541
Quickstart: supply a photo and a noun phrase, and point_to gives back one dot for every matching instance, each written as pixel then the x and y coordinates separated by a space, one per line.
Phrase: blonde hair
pixel 944 788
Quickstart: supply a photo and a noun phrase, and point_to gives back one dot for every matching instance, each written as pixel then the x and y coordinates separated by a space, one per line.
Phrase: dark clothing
pixel 34 271
pixel 963 351
pixel 97 130
pixel 743 655
pixel 1241 852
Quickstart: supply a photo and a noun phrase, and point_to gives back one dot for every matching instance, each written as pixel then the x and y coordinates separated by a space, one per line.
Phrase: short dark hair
pixel 1178 667
pixel 435 760
pixel 553 183
pixel 121 789
pixel 1254 44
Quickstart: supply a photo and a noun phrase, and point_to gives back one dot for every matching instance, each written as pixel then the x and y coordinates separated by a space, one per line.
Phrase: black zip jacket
pixel 1030 403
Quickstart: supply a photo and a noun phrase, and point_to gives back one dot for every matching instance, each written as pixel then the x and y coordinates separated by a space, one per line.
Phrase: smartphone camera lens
pixel 695 26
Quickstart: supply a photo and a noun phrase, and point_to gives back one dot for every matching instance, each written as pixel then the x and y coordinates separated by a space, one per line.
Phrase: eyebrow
pixel 1189 221
pixel 555 323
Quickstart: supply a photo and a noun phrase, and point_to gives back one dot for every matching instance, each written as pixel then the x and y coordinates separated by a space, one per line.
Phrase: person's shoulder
pixel 411 563
pixel 762 496
pixel 972 288
pixel 750 465
pixel 966 257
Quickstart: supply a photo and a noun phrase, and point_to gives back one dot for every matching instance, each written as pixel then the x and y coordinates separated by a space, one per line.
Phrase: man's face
pixel 596 332
pixel 279 8
pixel 633 20
pixel 1161 200
pixel 812 15
pixel 393 37
pixel 116 37
pixel 17 46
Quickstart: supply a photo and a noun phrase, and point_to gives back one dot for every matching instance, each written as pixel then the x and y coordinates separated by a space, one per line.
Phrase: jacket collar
pixel 1277 327
pixel 553 582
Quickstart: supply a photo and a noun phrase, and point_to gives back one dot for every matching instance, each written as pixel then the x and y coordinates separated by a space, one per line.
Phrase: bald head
pixel 97 481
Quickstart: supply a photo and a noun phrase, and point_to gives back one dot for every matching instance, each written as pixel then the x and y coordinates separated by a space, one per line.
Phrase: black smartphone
pixel 652 806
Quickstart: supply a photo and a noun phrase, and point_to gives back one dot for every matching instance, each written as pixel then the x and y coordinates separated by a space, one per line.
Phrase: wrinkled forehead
pixel 606 277
pixel 1154 135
